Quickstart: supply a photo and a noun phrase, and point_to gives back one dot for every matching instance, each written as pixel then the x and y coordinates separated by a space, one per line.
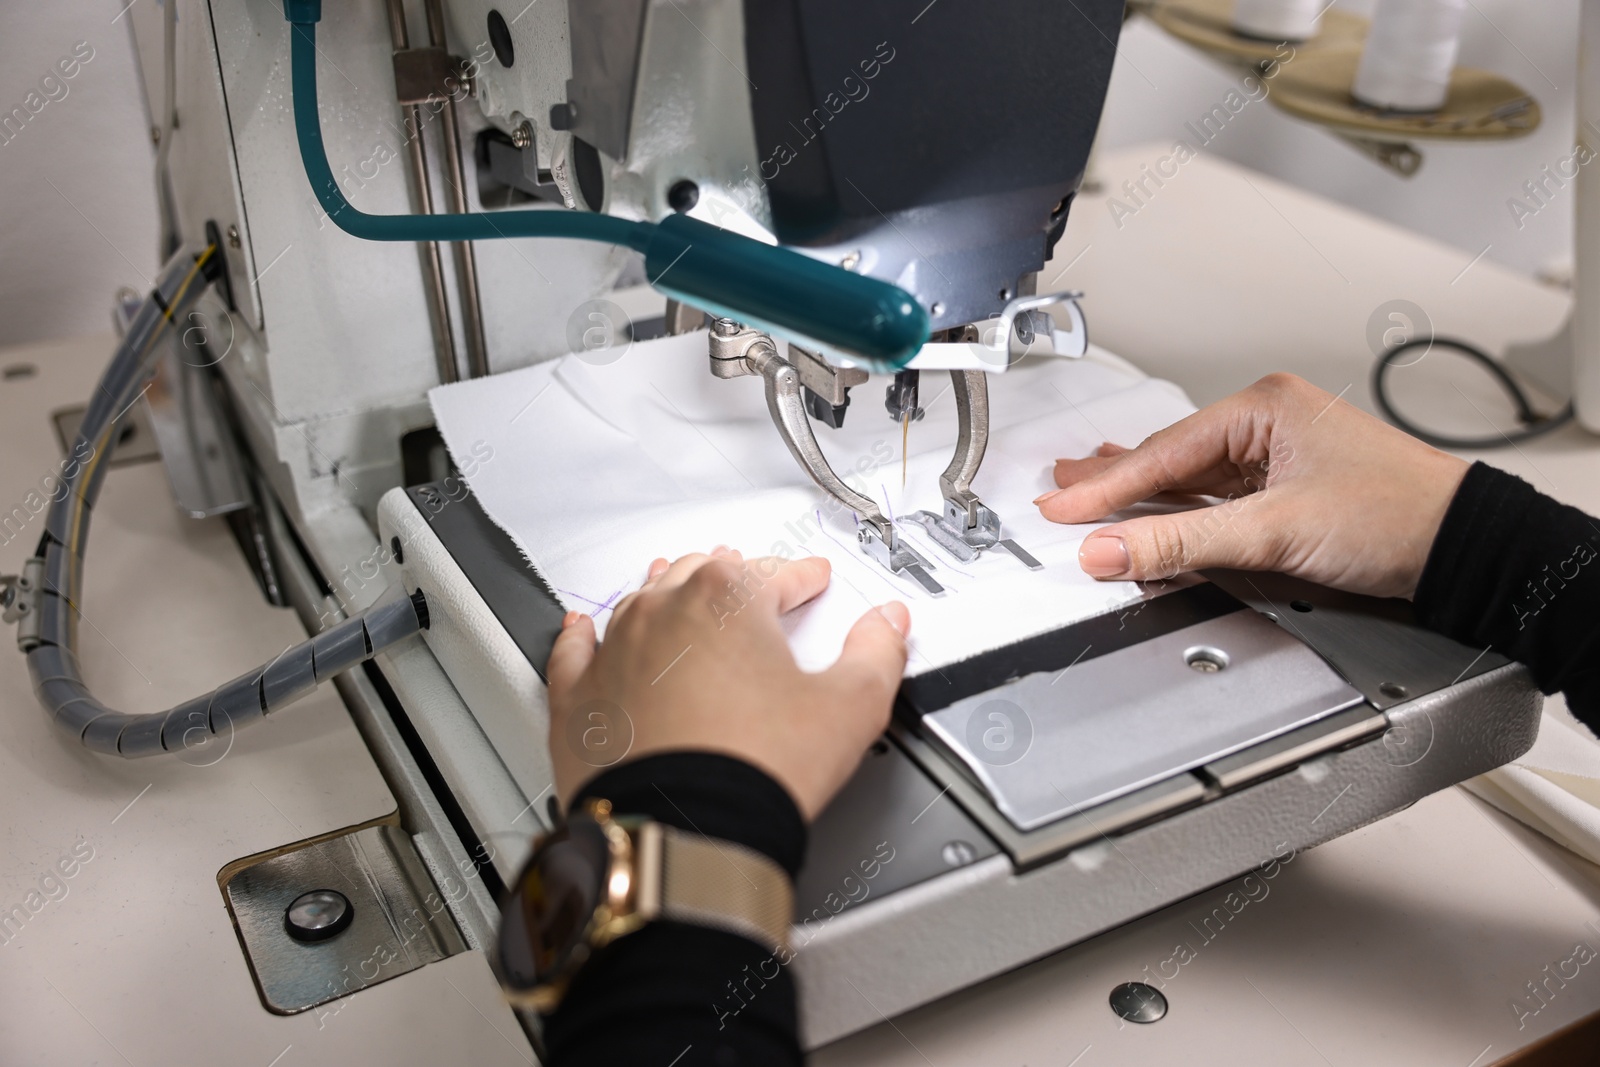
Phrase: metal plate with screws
pixel 323 920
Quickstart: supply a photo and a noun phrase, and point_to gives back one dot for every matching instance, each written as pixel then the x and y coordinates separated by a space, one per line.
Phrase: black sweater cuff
pixel 706 793
pixel 681 994
pixel 1513 570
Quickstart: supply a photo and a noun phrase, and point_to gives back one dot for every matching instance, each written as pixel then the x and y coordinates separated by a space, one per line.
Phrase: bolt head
pixel 318 915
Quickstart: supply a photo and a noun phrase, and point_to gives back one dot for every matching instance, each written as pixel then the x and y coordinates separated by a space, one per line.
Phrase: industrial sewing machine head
pixel 937 153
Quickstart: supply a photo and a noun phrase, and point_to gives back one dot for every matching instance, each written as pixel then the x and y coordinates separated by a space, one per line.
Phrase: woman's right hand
pixel 1312 487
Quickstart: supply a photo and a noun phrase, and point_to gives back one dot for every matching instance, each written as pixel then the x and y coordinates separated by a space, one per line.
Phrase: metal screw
pixel 522 136
pixel 318 915
pixel 958 854
pixel 1138 1003
pixel 683 195
pixel 1205 659
pixel 233 237
pixel 852 261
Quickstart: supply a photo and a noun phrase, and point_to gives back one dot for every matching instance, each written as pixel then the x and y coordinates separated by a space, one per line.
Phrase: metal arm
pixel 736 351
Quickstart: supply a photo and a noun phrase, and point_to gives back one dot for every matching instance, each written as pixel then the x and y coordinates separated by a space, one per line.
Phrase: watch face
pixel 551 905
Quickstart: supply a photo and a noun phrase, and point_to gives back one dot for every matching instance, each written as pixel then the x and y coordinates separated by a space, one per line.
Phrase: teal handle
pixel 724 273
pixel 784 292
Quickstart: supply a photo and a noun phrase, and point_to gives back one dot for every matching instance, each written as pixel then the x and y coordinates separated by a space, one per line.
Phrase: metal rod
pixel 444 342
pixel 466 259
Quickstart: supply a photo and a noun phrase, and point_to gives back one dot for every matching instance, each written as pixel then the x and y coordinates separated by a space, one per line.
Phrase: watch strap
pixel 726 886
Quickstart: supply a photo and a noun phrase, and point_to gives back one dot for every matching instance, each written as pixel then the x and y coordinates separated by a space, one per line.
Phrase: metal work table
pixel 1403 942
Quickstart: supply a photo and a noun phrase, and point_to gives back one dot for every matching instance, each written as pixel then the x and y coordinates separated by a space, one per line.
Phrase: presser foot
pixel 897 557
pixel 736 351
pixel 966 543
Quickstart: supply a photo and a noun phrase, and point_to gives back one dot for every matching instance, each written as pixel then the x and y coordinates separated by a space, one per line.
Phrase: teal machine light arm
pixel 725 273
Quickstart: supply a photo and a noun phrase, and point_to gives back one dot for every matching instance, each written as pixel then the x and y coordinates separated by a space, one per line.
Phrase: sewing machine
pixel 1207 725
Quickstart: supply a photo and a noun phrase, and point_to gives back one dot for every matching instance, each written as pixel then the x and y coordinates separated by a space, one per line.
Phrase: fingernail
pixel 568 619
pixel 1042 497
pixel 1103 557
pixel 900 620
pixel 657 568
pixel 719 550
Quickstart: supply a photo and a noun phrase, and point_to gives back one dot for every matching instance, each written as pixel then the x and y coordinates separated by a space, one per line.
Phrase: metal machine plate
pixel 399 921
pixel 1058 741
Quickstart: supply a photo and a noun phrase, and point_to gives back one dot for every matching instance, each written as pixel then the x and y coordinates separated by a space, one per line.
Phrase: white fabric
pixel 1555 788
pixel 594 470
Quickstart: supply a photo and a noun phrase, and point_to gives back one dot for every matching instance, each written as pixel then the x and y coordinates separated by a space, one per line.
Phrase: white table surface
pixel 1404 942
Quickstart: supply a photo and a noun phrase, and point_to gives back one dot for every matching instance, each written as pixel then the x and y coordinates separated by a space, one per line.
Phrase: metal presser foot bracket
pixel 968 526
pixel 737 351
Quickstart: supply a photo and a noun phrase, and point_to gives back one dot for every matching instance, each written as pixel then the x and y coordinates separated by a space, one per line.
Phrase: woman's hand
pixel 696 660
pixel 1312 487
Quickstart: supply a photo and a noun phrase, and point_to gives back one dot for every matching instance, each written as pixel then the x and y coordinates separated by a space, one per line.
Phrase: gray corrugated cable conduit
pixel 53 581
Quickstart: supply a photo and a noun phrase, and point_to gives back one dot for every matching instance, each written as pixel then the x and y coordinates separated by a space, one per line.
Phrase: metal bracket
pixel 424 75
pixel 397 919
pixel 19 602
pixel 737 351
pixel 1024 327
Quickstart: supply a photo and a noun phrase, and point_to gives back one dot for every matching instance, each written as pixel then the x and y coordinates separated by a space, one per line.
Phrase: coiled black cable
pixel 1533 423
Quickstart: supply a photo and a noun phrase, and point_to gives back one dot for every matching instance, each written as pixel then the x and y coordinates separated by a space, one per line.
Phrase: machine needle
pixel 905 437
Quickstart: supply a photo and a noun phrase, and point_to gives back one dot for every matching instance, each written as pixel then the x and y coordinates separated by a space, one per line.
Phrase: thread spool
pixel 1411 50
pixel 1278 20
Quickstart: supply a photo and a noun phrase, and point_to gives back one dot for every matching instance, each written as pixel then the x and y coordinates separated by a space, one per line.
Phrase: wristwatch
pixel 601 876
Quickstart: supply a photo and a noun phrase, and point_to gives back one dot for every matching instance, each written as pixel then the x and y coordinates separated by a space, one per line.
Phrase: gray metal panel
pixel 1294 748
pixel 1030 848
pixel 605 36
pixel 197 448
pixel 1375 643
pixel 932 939
pixel 909 818
pixel 1054 743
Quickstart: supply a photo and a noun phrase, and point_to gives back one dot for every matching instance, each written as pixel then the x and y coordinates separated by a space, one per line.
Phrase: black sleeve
pixel 678 994
pixel 1514 570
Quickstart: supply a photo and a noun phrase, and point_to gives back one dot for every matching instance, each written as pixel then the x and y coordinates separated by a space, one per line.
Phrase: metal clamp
pixel 736 351
pixel 19 602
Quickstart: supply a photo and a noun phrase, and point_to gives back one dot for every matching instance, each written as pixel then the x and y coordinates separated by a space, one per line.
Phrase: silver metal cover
pixel 1054 743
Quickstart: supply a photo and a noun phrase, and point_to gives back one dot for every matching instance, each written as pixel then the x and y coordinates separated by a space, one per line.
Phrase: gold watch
pixel 601 876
